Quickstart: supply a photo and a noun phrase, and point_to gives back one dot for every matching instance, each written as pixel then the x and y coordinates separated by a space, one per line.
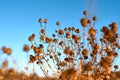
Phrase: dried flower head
pixel 88 66
pixel 31 38
pixel 73 28
pixel 61 32
pixel 68 34
pixel 116 67
pixel 11 71
pixel 70 28
pixel 26 48
pixel 77 30
pixel 48 40
pixel 4 49
pixel 92 32
pixel 94 18
pixel 42 37
pixel 32 47
pixel 77 40
pixel 40 20
pixel 65 29
pixel 85 12
pixel 54 35
pixel 43 31
pixel 84 22
pixel 85 52
pixel 9 51
pixel 45 21
pixel 58 23
pixel 38 50
pixel 5 63
pixel 67 50
pixel 114 27
pixel 89 21
pixel 63 63
pixel 55 40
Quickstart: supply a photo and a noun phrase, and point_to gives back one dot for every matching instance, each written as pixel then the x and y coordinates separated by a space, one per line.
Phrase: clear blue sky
pixel 19 18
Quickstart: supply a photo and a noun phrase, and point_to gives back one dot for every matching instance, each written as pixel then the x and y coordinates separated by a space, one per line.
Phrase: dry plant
pixel 74 55
pixel 71 54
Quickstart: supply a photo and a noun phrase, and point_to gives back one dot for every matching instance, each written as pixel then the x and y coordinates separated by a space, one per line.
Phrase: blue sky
pixel 19 18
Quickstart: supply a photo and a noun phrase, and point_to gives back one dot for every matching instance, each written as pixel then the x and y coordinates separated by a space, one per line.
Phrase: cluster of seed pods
pixel 68 52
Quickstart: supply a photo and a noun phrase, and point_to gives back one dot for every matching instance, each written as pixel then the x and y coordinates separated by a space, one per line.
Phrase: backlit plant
pixel 69 55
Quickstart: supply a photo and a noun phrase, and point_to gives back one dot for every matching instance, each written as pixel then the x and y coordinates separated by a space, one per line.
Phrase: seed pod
pixel 54 35
pixel 51 56
pixel 114 27
pixel 103 64
pixel 9 51
pixel 70 60
pixel 96 46
pixel 45 21
pixel 85 52
pixel 68 34
pixel 115 54
pixel 48 40
pixel 4 49
pixel 38 62
pixel 94 18
pixel 37 50
pixel 88 66
pixel 5 64
pixel 58 23
pixel 85 57
pixel 85 12
pixel 32 58
pixel 42 37
pixel 11 71
pixel 67 50
pixel 116 67
pixel 77 30
pixel 110 54
pixel 40 20
pixel 72 53
pixel 61 32
pixel 43 31
pixel 55 40
pixel 104 29
pixel 73 28
pixel 31 38
pixel 33 35
pixel 26 48
pixel 63 63
pixel 73 36
pixel 41 46
pixel 59 53
pixel 88 21
pixel 92 32
pixel 70 28
pixel 84 22
pixel 65 29
pixel 77 40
